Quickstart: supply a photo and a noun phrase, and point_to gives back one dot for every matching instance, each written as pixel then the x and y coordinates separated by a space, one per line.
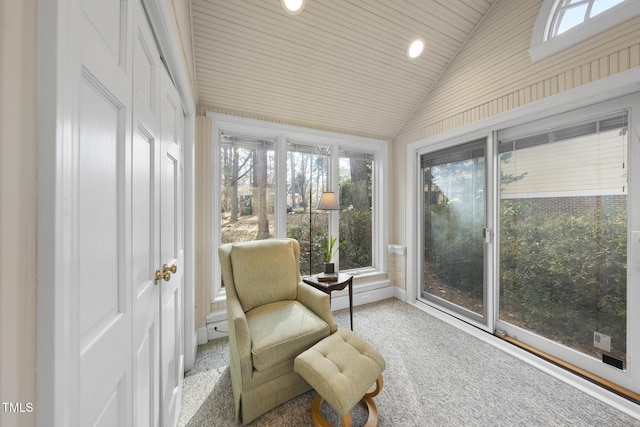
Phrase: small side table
pixel 328 287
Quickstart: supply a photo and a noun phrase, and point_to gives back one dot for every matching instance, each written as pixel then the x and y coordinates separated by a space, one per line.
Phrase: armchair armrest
pixel 239 340
pixel 318 302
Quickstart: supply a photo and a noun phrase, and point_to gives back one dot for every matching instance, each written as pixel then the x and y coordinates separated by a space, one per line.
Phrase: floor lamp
pixel 327 202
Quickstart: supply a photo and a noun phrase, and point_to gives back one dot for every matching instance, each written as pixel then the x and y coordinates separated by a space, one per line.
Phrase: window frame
pixel 542 48
pixel 282 134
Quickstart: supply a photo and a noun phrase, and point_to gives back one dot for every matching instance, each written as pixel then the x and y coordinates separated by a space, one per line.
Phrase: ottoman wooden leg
pixel 372 420
pixel 379 384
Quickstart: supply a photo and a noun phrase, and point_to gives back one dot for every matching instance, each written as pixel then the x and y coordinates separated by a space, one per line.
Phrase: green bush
pixel 454 246
pixel 564 275
pixel 355 229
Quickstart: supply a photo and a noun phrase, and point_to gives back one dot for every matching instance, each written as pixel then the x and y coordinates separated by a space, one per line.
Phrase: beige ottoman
pixel 342 368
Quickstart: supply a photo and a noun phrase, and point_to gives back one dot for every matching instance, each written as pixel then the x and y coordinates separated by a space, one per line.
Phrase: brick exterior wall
pixel 577 204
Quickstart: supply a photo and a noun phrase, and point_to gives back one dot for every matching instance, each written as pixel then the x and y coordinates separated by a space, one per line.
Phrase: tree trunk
pixel 359 184
pixel 234 186
pixel 261 184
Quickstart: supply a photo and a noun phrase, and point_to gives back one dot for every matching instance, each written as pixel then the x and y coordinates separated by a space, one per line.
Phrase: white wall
pixel 18 139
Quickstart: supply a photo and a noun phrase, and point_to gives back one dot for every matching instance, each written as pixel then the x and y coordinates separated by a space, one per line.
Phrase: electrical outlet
pixel 366 298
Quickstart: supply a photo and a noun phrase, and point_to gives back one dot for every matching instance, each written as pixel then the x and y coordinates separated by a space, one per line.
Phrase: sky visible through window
pixel 571 13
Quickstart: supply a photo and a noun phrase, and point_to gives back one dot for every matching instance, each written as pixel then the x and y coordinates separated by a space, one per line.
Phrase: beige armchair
pixel 273 317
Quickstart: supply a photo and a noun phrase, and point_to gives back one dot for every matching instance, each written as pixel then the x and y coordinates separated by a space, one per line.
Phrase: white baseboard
pixel 217 330
pixel 400 294
pixel 190 355
pixel 362 294
pixel 201 335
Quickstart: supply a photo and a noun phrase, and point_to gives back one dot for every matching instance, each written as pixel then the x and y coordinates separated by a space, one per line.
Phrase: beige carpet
pixel 436 375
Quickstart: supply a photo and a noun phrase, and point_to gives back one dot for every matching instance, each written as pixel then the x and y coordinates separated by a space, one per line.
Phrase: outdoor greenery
pixel 564 274
pixel 248 195
pixel 454 246
pixel 355 229
pixel 352 223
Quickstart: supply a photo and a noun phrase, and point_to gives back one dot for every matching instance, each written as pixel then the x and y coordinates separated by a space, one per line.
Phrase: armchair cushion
pixel 282 330
pixel 264 273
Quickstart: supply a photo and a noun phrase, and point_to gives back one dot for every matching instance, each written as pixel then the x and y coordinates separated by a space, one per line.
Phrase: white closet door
pixel 145 230
pixel 119 218
pixel 172 250
pixel 100 238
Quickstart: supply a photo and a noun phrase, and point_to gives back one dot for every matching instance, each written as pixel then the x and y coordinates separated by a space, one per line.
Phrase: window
pixel 356 202
pixel 268 180
pixel 307 176
pixel 569 14
pixel 564 23
pixel 247 183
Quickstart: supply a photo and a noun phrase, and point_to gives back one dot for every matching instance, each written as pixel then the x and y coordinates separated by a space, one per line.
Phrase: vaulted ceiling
pixel 340 64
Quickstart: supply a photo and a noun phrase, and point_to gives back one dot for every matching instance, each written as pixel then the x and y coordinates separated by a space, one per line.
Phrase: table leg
pixel 351 301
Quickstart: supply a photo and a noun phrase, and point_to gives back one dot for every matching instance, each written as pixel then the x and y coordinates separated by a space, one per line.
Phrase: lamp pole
pixel 310 228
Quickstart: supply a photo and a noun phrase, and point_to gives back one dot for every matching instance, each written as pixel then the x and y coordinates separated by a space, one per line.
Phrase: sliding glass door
pixel 532 233
pixel 563 238
pixel 453 203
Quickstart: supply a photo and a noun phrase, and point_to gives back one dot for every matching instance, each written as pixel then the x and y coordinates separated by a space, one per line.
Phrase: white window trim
pixel 541 48
pixel 282 133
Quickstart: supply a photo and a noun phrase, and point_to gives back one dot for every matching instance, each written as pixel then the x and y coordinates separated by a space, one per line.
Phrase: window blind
pixel 469 150
pixel 610 122
pixel 247 142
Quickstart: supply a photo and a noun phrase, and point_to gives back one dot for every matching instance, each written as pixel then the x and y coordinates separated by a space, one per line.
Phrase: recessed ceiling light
pixel 415 49
pixel 293 7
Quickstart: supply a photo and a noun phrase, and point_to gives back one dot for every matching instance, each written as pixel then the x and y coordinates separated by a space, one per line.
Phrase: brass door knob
pixel 173 269
pixel 166 275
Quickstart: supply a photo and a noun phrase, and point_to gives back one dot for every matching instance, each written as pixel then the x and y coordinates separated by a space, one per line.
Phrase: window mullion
pixel 281 187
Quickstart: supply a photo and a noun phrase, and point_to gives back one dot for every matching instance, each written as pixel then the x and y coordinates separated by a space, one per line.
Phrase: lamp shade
pixel 328 202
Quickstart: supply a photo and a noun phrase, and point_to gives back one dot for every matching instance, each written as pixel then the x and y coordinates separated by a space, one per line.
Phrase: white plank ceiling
pixel 339 64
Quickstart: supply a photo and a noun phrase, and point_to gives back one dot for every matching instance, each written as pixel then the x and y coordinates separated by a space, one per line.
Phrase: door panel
pixel 146 379
pixel 563 239
pixel 172 253
pixel 143 188
pixel 146 294
pixel 101 246
pixel 145 200
pixel 453 229
pixel 112 414
pixel 99 225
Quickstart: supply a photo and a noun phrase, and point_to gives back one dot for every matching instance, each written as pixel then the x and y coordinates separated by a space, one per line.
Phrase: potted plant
pixel 330 250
